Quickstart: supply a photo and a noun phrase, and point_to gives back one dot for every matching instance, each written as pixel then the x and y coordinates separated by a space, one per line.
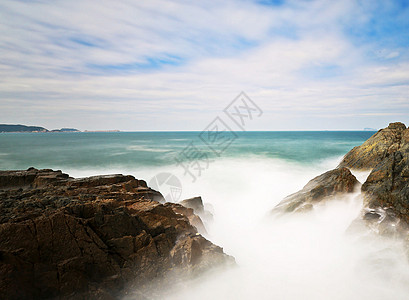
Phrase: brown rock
pixel 383 143
pixel 387 186
pixel 30 177
pixel 196 203
pixel 196 251
pixel 332 183
pixel 194 219
pixel 386 190
pixel 91 238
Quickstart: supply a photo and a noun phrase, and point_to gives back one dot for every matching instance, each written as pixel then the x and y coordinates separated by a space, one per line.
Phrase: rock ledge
pixel 92 238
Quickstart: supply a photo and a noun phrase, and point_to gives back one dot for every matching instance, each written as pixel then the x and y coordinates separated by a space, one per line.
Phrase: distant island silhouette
pixel 24 128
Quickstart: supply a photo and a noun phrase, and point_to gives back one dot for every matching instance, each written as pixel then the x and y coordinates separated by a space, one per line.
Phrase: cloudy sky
pixel 175 65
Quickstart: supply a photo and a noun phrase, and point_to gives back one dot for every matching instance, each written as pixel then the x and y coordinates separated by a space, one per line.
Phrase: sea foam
pixel 300 256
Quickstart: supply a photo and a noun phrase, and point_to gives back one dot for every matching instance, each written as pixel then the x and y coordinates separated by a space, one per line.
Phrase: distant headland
pixel 24 128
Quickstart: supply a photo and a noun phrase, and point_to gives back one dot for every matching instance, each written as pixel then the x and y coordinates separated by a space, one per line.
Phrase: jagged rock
pixel 9 179
pixel 331 183
pixel 196 203
pixel 378 147
pixel 387 186
pixel 383 221
pixel 91 238
pixel 194 219
pixel 386 190
pixel 190 250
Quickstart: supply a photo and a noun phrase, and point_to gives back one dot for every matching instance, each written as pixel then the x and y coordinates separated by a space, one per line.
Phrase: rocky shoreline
pixel 100 237
pixel 112 237
pixel 330 184
pixel 385 192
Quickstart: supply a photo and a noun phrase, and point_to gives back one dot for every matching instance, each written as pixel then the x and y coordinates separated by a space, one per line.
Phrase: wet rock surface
pixel 378 147
pixel 196 203
pixel 92 238
pixel 332 183
pixel 386 190
pixel 387 186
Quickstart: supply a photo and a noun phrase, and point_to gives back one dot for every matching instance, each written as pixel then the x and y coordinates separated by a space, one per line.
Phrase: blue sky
pixel 175 65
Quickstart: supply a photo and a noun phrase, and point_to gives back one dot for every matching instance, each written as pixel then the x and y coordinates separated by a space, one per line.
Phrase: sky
pixel 176 65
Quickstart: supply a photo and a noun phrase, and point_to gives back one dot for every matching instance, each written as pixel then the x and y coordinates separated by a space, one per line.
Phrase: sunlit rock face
pixel 385 191
pixel 378 147
pixel 200 215
pixel 332 183
pixel 387 186
pixel 94 237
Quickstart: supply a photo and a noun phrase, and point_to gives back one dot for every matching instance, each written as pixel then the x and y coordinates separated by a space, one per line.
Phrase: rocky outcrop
pixel 194 219
pixel 196 203
pixel 92 238
pixel 378 147
pixel 386 190
pixel 332 183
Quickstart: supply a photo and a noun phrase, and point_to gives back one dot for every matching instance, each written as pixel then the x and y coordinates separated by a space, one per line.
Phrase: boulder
pixel 92 238
pixel 387 186
pixel 194 219
pixel 30 177
pixel 332 183
pixel 196 203
pixel 378 147
pixel 386 190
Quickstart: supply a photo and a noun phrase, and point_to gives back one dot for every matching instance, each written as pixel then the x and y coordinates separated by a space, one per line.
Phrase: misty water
pixel 323 254
pixel 316 255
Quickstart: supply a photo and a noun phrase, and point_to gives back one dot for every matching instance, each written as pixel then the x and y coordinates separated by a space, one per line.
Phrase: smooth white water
pixel 300 256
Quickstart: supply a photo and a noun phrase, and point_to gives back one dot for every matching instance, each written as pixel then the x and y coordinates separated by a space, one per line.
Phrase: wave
pixel 146 148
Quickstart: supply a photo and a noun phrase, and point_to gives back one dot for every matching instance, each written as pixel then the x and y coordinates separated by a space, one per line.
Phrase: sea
pixel 241 176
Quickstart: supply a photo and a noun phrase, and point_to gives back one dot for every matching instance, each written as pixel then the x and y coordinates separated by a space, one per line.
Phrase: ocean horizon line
pixel 198 131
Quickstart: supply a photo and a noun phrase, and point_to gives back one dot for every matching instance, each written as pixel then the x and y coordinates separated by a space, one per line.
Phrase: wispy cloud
pixel 138 65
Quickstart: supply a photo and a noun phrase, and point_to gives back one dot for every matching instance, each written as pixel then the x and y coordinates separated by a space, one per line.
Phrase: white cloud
pixel 294 60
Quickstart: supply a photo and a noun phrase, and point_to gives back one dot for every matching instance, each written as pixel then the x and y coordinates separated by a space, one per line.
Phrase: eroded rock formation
pixel 91 238
pixel 332 183
pixel 196 203
pixel 386 190
pixel 378 147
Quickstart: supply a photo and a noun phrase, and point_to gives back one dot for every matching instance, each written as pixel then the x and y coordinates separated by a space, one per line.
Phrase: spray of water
pixel 314 255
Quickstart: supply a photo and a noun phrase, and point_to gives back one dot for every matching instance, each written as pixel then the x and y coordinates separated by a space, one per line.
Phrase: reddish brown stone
pixel 92 237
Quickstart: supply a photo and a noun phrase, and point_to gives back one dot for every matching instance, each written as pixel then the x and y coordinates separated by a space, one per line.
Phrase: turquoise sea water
pixel 143 149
